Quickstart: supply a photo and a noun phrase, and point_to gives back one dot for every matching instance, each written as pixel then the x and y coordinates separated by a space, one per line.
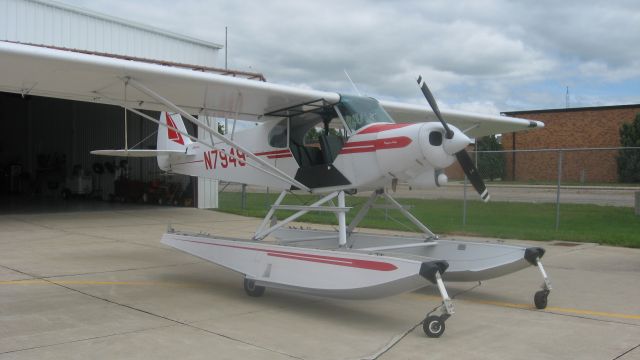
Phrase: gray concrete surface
pixel 100 285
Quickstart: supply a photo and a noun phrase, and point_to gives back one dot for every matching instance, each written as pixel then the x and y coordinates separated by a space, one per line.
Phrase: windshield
pixel 359 111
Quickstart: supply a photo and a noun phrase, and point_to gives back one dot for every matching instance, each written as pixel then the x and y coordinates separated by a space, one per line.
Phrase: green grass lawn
pixel 581 223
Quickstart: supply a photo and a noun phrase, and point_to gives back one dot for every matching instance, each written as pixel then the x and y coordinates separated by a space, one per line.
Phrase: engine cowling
pixel 438 150
pixel 413 153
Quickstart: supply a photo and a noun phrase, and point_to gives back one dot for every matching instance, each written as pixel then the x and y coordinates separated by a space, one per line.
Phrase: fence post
pixel 464 202
pixel 560 156
pixel 244 196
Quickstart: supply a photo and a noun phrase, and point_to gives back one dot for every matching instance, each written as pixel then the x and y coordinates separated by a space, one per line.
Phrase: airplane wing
pixel 472 124
pixel 70 75
pixel 28 69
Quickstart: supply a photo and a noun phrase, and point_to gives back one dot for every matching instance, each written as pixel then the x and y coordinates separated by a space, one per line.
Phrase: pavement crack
pixel 85 339
pixel 626 352
pixel 392 343
pixel 581 317
pixel 38 277
pixel 16 218
pixel 20 272
pixel 119 270
pixel 173 320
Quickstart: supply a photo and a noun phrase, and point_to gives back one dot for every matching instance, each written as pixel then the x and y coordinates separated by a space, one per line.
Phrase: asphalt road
pixel 598 195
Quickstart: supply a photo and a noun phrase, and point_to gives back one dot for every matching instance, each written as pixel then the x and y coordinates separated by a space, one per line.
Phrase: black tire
pixel 433 326
pixel 540 299
pixel 252 289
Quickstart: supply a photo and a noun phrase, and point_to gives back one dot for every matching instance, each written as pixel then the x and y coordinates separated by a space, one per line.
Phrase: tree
pixel 313 135
pixel 490 165
pixel 629 160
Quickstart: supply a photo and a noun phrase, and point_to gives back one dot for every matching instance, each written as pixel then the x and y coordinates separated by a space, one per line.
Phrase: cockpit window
pixel 278 135
pixel 359 111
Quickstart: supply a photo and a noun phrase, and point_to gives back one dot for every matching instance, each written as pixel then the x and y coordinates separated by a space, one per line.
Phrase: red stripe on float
pixel 331 260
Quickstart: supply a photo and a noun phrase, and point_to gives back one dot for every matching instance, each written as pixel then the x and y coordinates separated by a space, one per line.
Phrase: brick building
pixel 589 127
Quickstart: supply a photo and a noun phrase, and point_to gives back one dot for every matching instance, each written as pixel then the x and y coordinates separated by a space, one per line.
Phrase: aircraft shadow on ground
pixel 481 294
pixel 312 307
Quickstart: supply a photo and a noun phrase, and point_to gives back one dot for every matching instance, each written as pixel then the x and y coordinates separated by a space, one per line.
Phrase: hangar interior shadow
pixel 45 164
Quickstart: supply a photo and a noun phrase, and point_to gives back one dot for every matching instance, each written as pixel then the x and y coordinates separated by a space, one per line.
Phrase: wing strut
pixel 214 133
pixel 106 100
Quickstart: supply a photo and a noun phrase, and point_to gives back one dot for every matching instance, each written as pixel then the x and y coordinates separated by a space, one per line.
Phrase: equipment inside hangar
pixel 45 154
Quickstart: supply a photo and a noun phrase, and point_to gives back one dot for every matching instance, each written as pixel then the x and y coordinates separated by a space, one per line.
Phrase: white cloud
pixel 476 55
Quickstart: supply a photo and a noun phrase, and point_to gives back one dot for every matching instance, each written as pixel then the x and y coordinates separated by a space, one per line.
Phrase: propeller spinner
pixel 453 140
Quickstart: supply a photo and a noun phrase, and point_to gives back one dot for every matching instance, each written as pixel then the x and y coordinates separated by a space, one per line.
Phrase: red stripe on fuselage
pixel 356 263
pixel 276 154
pixel 374 145
pixel 376 128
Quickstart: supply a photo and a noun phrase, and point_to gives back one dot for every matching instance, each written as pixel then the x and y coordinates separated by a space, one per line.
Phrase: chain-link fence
pixel 608 176
pixel 551 189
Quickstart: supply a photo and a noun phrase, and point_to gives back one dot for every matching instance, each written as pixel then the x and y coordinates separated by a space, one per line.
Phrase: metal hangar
pixel 44 153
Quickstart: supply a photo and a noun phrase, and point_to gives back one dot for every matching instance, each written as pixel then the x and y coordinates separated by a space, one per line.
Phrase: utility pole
pixel 226 51
pixel 226 122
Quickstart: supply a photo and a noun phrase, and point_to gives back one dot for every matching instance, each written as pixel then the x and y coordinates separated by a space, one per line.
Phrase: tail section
pixel 170 139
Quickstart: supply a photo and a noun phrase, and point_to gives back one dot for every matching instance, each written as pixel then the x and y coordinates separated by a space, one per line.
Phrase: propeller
pixel 463 157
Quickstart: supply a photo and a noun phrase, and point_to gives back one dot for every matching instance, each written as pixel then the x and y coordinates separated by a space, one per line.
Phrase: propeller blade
pixel 434 106
pixel 463 157
pixel 472 174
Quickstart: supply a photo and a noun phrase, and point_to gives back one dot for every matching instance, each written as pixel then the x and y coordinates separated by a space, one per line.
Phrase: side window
pixel 279 135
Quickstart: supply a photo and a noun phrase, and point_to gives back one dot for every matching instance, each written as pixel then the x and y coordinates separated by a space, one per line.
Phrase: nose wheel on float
pixel 540 298
pixel 434 325
pixel 533 255
pixel 252 289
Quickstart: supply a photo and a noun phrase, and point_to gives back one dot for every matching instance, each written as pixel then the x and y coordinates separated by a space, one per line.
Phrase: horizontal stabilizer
pixel 137 152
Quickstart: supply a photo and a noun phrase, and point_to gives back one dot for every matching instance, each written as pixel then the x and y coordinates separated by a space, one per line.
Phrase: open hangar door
pixel 45 162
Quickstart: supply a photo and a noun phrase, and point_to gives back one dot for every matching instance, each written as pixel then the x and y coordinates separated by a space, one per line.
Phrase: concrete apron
pixel 100 285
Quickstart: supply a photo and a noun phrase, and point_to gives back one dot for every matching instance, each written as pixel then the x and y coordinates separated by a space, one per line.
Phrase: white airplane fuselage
pixel 371 158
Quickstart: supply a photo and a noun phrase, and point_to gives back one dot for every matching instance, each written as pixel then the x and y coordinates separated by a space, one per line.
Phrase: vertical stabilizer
pixel 170 139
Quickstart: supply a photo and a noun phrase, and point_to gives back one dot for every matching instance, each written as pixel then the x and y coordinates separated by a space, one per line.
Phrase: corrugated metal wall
pixel 54 24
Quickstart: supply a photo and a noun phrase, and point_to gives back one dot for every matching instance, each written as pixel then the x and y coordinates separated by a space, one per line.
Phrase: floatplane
pixel 362 145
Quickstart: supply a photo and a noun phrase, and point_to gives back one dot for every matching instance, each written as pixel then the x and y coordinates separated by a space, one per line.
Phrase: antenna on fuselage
pixel 351 81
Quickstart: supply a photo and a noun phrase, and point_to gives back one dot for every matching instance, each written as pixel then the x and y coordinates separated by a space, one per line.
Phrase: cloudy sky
pixel 488 56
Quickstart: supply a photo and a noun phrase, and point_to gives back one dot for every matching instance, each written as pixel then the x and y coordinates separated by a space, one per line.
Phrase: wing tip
pixel 536 124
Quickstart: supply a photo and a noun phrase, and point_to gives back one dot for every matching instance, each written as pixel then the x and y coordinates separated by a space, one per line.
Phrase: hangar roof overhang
pixel 215 70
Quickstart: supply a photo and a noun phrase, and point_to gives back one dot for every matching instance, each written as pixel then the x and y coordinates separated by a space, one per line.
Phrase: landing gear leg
pixel 540 298
pixel 433 325
pixel 252 289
